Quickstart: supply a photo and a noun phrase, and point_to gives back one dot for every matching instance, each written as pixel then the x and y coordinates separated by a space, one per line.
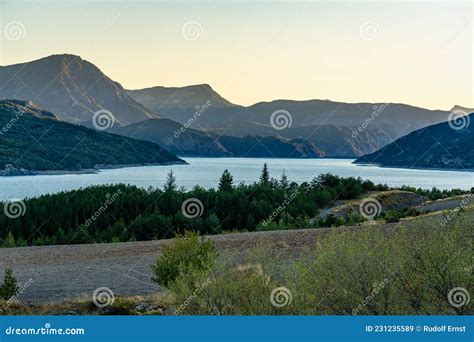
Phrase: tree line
pixel 119 212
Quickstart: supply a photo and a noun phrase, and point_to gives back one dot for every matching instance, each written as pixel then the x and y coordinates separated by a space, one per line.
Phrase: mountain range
pixel 197 121
pixel 33 139
pixel 389 120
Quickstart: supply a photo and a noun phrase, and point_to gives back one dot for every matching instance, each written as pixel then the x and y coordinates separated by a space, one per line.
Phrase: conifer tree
pixel 284 183
pixel 170 184
pixel 226 182
pixel 265 175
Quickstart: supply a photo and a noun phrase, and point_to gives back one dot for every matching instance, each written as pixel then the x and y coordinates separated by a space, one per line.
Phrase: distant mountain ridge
pixel 448 145
pixel 356 128
pixel 34 139
pixel 160 98
pixel 195 143
pixel 70 87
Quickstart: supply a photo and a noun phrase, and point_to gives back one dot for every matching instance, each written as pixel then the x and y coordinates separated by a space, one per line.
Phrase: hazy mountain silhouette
pixel 71 87
pixel 361 127
pixel 169 98
pixel 394 120
pixel 195 143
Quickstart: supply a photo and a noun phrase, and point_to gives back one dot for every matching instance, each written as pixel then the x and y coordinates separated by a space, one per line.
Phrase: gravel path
pixel 70 271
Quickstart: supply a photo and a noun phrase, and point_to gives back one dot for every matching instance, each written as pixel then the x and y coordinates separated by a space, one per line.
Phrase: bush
pixel 9 287
pixel 369 271
pixel 408 270
pixel 234 286
pixel 392 216
pixel 355 218
pixel 188 254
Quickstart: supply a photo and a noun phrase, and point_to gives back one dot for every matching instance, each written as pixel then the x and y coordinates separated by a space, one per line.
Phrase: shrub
pixel 241 290
pixel 188 253
pixel 402 270
pixel 440 261
pixel 392 216
pixel 9 287
pixel 342 270
pixel 355 218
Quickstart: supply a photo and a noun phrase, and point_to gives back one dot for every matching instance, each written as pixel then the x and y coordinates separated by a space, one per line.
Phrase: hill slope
pixel 35 139
pixel 195 143
pixel 442 146
pixel 70 86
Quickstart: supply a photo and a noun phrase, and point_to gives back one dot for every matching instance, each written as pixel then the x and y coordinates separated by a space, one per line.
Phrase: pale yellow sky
pixel 420 53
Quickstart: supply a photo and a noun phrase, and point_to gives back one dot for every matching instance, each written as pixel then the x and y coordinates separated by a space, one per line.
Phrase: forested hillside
pixel 35 139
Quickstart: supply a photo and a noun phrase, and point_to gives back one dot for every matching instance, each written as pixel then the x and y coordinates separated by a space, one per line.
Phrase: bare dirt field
pixel 70 271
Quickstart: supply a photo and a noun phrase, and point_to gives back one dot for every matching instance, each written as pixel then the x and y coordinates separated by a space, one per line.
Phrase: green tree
pixel 284 183
pixel 265 175
pixel 170 184
pixel 226 183
pixel 188 253
pixel 10 240
pixel 9 287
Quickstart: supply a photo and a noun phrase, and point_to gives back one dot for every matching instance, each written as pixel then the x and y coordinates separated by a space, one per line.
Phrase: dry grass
pixel 154 304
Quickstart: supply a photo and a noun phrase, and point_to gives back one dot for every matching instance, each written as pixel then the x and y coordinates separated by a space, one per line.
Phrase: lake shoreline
pixel 411 168
pixel 25 172
pixel 205 172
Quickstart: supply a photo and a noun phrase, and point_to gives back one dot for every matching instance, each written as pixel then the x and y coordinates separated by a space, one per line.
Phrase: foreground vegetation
pixel 408 270
pixel 420 267
pixel 119 213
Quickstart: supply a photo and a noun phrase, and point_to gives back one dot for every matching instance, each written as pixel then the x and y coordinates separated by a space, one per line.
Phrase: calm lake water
pixel 206 173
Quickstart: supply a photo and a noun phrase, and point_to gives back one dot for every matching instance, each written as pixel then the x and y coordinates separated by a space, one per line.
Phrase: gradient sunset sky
pixel 420 53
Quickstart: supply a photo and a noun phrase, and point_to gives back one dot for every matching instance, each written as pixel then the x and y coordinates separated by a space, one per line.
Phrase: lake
pixel 206 173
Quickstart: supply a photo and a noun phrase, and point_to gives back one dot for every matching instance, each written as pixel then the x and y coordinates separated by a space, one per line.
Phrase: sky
pixel 420 53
